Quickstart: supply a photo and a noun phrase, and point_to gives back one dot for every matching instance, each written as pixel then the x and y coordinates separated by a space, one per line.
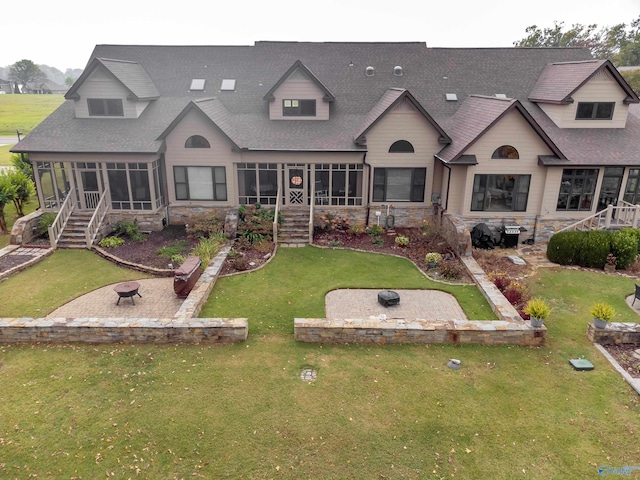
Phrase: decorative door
pixel 296 191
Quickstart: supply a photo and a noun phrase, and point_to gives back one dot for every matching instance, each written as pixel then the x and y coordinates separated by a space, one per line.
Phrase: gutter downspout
pixel 446 203
pixel 364 162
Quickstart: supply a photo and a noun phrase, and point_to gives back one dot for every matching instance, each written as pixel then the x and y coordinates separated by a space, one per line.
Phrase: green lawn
pixel 393 412
pixel 296 281
pixel 24 112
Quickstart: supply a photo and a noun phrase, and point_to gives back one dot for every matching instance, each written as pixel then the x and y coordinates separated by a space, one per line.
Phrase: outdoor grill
pixel 510 235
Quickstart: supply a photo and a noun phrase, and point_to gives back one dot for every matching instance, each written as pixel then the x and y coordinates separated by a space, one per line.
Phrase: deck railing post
pixel 608 216
pixel 634 222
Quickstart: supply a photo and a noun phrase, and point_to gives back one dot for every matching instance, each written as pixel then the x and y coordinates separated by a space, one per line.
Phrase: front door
pixel 89 188
pixel 296 191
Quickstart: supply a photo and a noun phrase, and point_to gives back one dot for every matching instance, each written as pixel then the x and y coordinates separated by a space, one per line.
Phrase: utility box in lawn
pixel 186 276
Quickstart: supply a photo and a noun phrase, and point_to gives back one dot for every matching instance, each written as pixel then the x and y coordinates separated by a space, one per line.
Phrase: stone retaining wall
pixel 614 333
pixel 322 330
pixel 123 330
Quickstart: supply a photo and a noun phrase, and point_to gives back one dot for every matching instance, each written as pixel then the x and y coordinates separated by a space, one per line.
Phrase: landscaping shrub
pixel 255 223
pixel 594 248
pixel 131 230
pixel 44 222
pixel 636 234
pixel 624 245
pixel 207 249
pixel 563 248
pixel 357 230
pixel 375 230
pixel 517 294
pixel 205 224
pixel 331 222
pixel 500 280
pixel 451 270
pixel 111 242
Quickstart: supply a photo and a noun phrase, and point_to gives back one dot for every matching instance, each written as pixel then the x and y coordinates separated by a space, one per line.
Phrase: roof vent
pixel 451 97
pixel 369 71
pixel 197 84
pixel 397 71
pixel 228 84
pixel 500 95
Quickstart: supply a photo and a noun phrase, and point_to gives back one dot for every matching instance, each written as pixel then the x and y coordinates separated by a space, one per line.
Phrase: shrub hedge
pixel 590 249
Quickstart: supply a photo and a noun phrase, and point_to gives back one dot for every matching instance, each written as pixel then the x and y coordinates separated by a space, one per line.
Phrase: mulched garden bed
pixel 623 353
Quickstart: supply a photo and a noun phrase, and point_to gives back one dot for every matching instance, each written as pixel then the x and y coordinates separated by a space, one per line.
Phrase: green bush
pixel 624 245
pixel 207 249
pixel 44 222
pixel 375 230
pixel 111 242
pixel 131 230
pixel 595 247
pixel 564 247
pixel 636 234
pixel 255 223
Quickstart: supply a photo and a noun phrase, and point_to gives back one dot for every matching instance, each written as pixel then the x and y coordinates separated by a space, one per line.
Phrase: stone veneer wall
pixel 147 221
pixel 122 330
pixel 510 329
pixel 614 333
pixel 184 327
pixel 404 216
pixel 321 330
pixel 25 229
pixel 456 233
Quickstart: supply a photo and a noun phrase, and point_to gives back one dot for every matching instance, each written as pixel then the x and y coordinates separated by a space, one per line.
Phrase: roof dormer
pixel 299 95
pixel 587 94
pixel 112 89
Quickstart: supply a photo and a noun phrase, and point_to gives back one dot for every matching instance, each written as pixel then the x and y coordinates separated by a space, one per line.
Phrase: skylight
pixel 228 84
pixel 451 97
pixel 197 84
pixel 501 95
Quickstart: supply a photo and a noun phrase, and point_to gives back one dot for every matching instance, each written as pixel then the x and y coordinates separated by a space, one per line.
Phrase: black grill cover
pixel 481 237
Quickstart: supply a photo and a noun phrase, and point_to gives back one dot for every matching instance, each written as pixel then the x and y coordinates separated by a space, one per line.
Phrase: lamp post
pixel 21 154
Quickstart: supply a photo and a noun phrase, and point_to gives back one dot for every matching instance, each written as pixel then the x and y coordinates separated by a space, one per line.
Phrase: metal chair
pixel 637 295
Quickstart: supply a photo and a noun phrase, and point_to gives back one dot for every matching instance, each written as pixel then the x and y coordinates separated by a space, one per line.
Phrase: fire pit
pixel 387 298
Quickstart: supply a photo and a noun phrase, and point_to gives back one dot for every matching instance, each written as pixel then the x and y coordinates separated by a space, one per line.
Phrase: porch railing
pixel 312 202
pixel 56 228
pixel 101 209
pixel 624 214
pixel 277 214
pixel 91 199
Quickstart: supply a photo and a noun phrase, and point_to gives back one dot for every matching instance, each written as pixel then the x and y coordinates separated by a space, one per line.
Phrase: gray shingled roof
pixel 243 114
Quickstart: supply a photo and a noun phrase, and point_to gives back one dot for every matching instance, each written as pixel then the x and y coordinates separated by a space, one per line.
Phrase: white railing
pixel 624 215
pixel 277 214
pixel 312 201
pixel 100 212
pixel 56 228
pixel 91 199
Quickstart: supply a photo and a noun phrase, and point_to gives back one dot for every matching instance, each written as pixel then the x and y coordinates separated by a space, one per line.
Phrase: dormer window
pixel 299 108
pixel 595 111
pixel 105 107
pixel 401 146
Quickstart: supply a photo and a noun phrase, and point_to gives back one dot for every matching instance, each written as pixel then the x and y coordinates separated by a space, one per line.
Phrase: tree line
pixel 619 43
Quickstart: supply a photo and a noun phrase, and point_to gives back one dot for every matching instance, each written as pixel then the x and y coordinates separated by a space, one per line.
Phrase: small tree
pixel 23 190
pixel 25 71
pixel 21 163
pixel 7 193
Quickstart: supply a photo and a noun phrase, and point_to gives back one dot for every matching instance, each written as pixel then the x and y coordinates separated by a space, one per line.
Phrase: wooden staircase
pixel 294 229
pixel 73 235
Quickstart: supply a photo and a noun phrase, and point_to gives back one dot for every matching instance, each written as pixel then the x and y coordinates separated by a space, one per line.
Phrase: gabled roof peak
pixel 298 65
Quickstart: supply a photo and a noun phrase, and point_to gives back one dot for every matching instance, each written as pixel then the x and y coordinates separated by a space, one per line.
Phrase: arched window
pixel 197 141
pixel 505 151
pixel 401 146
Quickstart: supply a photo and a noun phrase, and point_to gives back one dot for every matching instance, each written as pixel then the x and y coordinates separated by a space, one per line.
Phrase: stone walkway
pixel 157 300
pixel 414 305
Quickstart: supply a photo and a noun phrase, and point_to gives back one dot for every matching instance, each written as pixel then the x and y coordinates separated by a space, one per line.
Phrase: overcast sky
pixel 63 34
